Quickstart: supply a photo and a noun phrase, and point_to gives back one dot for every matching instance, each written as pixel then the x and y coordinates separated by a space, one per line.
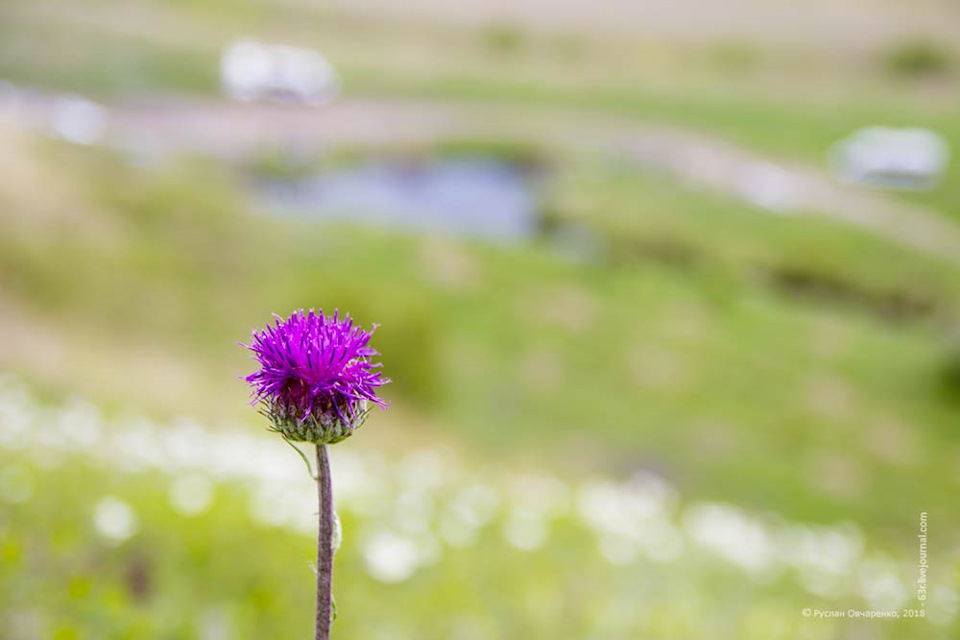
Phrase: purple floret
pixel 311 365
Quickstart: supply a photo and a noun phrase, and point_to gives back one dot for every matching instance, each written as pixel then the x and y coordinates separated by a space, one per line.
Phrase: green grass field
pixel 819 411
pixel 798 372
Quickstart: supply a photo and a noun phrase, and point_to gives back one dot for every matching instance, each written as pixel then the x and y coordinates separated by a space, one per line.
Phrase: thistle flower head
pixel 316 382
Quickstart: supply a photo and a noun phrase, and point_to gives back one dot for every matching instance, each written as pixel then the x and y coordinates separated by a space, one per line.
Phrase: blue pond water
pixel 478 198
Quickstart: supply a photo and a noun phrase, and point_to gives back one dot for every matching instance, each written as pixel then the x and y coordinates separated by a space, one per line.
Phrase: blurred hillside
pixel 692 341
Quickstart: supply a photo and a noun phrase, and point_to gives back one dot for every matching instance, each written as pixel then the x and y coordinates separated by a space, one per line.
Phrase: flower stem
pixel 324 546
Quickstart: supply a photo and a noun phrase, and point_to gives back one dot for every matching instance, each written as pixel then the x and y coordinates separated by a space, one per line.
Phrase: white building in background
pixel 250 70
pixel 77 120
pixel 912 159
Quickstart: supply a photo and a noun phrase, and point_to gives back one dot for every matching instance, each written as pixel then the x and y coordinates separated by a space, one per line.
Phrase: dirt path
pixel 840 24
pixel 234 130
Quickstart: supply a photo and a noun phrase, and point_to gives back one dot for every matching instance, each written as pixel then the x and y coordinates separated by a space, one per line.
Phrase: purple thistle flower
pixel 316 381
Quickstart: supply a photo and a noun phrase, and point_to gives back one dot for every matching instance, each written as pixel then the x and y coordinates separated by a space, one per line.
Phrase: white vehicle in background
pixel 913 159
pixel 250 70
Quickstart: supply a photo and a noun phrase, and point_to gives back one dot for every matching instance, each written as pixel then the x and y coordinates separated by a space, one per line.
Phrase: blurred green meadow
pixel 667 411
